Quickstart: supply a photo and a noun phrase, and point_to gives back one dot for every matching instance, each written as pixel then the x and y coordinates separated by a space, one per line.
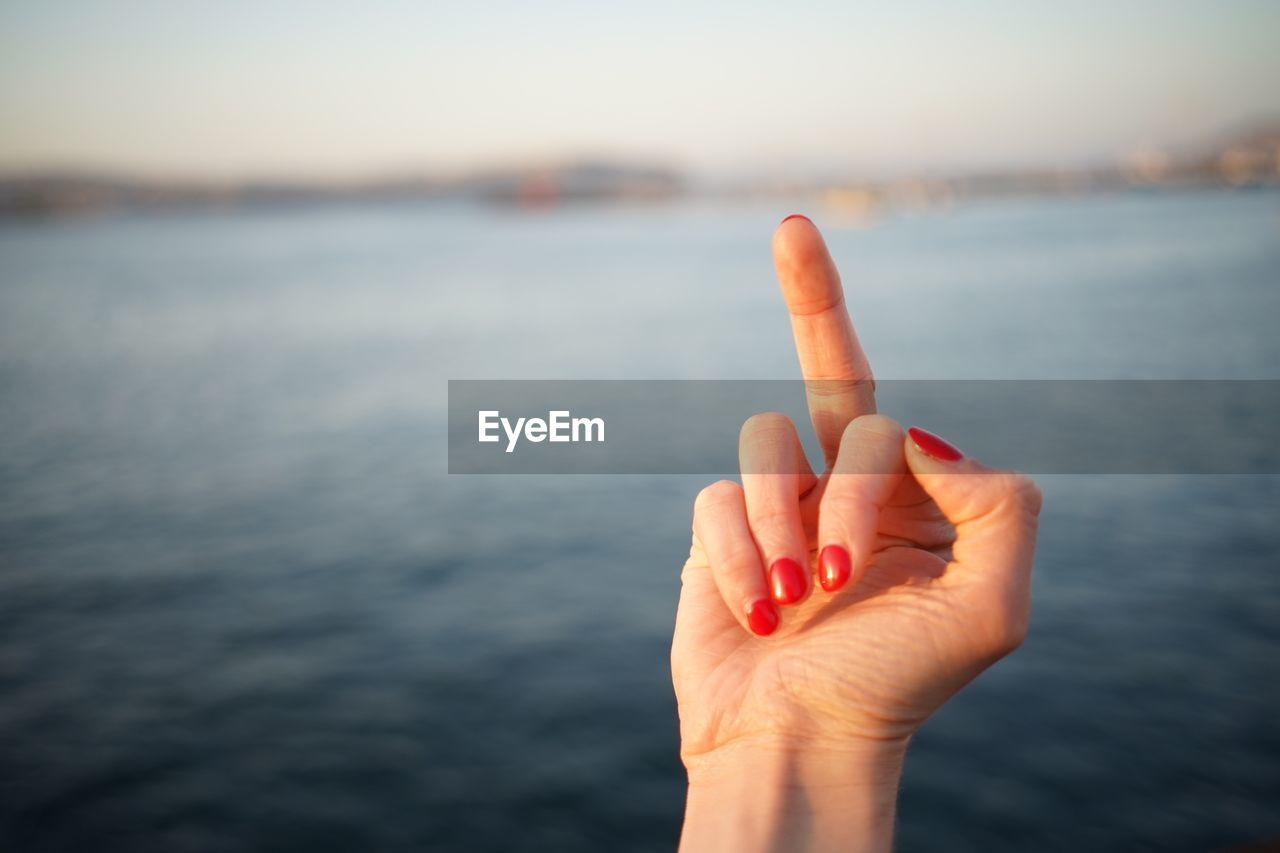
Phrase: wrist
pixel 756 796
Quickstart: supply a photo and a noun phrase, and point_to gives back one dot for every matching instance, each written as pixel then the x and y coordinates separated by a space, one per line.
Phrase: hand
pixel 796 704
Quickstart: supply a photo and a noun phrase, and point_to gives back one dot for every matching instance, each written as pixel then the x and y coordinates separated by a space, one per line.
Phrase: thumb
pixel 994 514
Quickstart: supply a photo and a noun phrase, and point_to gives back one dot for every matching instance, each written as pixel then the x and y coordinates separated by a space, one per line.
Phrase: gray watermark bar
pixel 1035 426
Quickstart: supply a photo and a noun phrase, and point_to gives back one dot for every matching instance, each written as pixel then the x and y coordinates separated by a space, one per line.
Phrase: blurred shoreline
pixel 1248 159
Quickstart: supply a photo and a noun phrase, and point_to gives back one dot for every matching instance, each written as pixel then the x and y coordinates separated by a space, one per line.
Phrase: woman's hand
pixel 797 698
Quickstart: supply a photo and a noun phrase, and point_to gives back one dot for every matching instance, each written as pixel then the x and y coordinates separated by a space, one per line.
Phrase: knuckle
pixel 690 569
pixel 740 561
pixel 1024 493
pixel 1013 494
pixel 766 424
pixel 770 516
pixel 839 389
pixel 881 425
pixel 717 494
pixel 841 504
pixel 839 497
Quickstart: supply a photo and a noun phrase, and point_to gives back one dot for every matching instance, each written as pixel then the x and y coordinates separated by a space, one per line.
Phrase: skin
pixel 796 740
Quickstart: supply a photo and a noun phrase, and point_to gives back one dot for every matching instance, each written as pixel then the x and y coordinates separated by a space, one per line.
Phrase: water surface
pixel 242 607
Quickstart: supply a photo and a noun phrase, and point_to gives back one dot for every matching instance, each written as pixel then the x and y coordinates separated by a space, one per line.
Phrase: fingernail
pixel 834 567
pixel 931 445
pixel 797 216
pixel 762 616
pixel 786 581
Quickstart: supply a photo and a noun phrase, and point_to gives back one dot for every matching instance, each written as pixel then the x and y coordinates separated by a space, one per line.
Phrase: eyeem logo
pixel 559 426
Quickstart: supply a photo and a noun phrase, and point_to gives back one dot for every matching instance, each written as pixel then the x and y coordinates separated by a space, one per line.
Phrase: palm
pixel 845 661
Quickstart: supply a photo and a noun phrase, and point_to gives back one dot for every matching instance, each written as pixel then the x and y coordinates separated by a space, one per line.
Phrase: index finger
pixel 838 380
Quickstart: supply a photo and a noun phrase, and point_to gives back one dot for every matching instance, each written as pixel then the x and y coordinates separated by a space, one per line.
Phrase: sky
pixel 292 89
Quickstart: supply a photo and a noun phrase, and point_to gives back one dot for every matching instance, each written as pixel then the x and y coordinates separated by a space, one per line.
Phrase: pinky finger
pixel 720 523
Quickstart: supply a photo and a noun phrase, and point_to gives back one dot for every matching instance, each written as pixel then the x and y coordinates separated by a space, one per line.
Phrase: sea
pixel 245 607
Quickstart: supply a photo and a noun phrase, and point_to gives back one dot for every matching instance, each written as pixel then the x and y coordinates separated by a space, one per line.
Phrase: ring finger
pixel 774 475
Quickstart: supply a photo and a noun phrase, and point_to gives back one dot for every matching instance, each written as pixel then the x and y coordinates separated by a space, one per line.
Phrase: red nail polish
pixel 762 616
pixel 797 216
pixel 931 445
pixel 834 567
pixel 786 581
